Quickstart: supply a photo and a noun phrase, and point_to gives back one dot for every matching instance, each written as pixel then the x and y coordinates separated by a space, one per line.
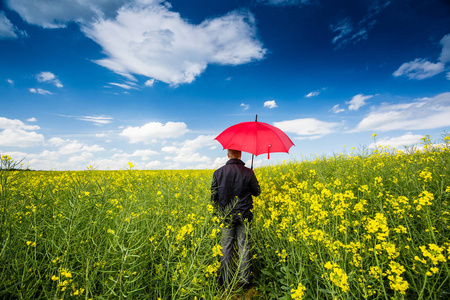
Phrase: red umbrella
pixel 256 138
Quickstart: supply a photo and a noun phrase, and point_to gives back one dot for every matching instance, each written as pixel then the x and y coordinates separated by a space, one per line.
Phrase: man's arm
pixel 254 186
pixel 214 192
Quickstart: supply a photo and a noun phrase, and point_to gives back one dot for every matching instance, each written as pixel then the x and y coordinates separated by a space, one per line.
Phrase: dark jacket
pixel 232 188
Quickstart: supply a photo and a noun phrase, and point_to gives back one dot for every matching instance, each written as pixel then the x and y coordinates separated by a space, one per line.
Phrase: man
pixel 231 192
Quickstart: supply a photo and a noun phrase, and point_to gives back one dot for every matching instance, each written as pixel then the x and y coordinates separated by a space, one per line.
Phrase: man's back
pixel 235 180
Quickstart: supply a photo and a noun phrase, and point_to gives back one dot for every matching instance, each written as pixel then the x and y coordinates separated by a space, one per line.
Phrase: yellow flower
pixel 434 270
pixel 65 272
pixel 328 265
pixel 217 250
pixel 299 292
pixel 55 278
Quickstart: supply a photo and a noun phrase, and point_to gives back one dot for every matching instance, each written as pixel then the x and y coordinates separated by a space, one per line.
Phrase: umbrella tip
pixel 256 119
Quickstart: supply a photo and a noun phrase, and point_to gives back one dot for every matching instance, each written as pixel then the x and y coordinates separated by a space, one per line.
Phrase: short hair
pixel 234 153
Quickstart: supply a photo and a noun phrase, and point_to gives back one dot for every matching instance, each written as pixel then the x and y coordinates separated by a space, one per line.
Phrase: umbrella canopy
pixel 256 138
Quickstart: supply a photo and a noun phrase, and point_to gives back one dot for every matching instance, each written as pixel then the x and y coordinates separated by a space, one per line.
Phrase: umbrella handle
pixel 268 151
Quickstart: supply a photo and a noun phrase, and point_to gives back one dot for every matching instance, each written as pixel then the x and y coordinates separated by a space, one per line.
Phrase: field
pixel 353 226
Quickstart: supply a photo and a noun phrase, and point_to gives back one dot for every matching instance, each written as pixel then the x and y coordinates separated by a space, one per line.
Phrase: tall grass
pixel 360 226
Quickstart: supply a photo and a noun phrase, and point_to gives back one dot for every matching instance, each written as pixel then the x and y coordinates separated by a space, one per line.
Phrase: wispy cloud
pixel 150 82
pixel 336 109
pixel 353 32
pixel 315 93
pixel 49 77
pixel 8 30
pixel 96 120
pixel 124 86
pixel 358 101
pixel 40 91
pixel 445 53
pixel 312 94
pixel 421 68
pixel 245 106
pixel 270 104
pixel 355 103
pixel 423 113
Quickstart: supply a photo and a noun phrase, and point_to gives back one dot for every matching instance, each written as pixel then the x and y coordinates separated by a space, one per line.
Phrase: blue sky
pixel 104 83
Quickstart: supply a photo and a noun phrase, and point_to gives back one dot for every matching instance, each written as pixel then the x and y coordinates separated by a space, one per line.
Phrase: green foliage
pixel 360 226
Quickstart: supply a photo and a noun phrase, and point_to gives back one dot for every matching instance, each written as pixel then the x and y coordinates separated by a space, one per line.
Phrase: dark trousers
pixel 239 232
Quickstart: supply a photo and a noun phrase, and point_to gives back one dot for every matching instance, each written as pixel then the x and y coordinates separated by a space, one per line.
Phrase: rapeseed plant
pixel 369 225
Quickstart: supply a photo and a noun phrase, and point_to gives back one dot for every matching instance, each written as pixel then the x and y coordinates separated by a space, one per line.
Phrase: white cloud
pixel 144 154
pixel 56 14
pixel 20 138
pixel 312 94
pixel 219 161
pixel 15 124
pixel 445 54
pixel 357 101
pixel 424 113
pixel 57 141
pixel 10 81
pixel 419 69
pixel 245 106
pixel 398 142
pixel 83 157
pixel 308 127
pixel 186 152
pixel 150 82
pixel 97 120
pixel 336 109
pixel 124 86
pixel 154 130
pixel 144 37
pixel 343 28
pixel 315 93
pixel 74 146
pixel 17 134
pixel 40 91
pixel 150 40
pixel 270 104
pixel 49 77
pixel 32 120
pixel 7 29
pixel 448 76
pixel 155 164
pixel 67 146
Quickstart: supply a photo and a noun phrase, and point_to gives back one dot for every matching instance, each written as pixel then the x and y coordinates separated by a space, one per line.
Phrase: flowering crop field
pixel 360 226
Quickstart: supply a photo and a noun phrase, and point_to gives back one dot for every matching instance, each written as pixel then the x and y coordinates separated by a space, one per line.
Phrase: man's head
pixel 234 154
